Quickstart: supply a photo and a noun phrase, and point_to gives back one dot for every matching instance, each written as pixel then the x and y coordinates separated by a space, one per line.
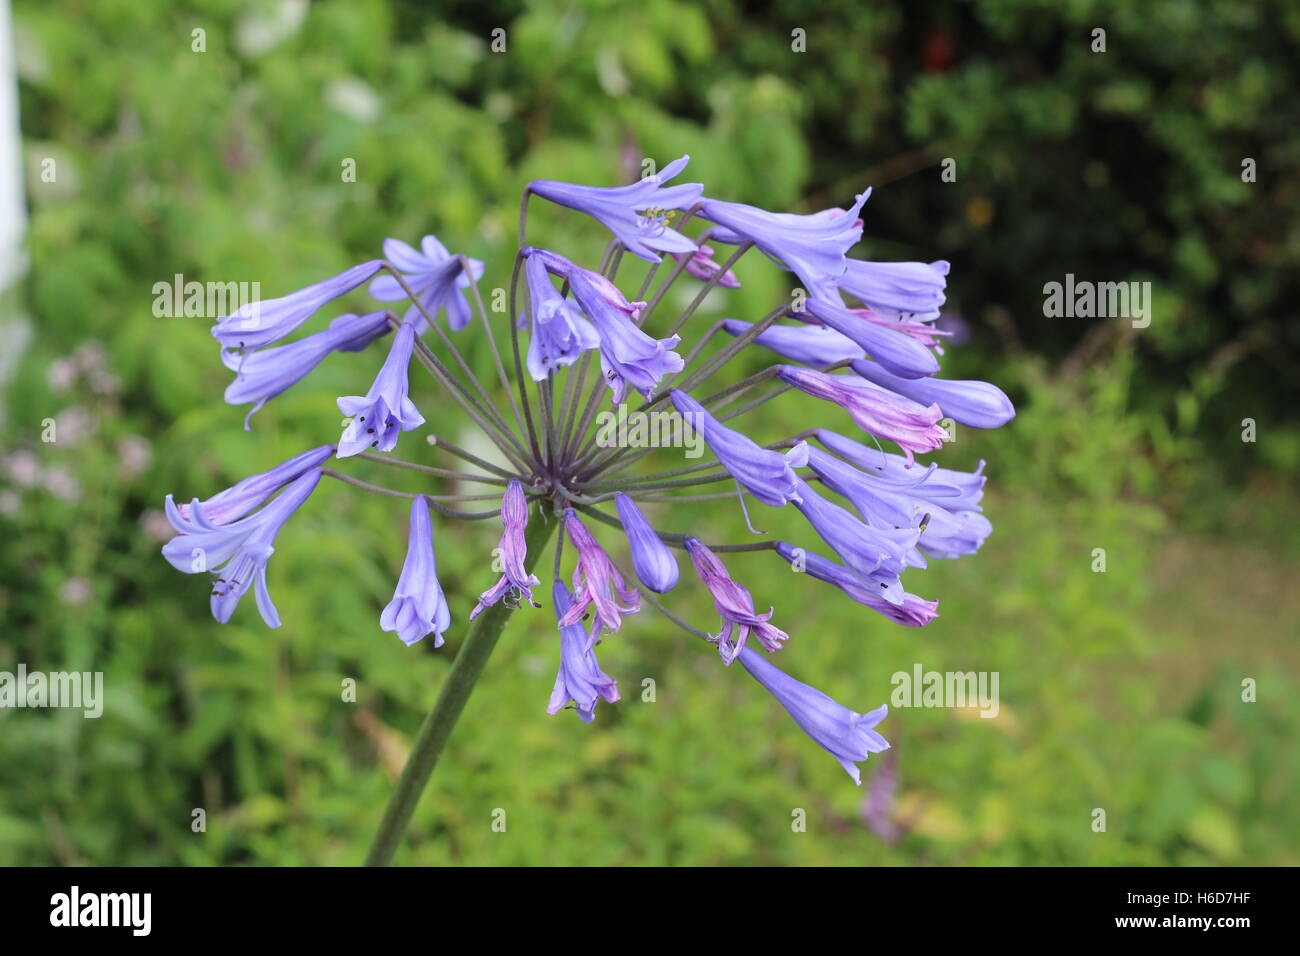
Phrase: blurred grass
pixel 1120 690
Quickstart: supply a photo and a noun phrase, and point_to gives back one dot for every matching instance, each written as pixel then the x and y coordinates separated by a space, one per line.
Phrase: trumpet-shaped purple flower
pixel 236 553
pixel 897 289
pixel 702 265
pixel 815 345
pixel 911 426
pixel 241 498
pixel 627 355
pixel 266 373
pixel 261 323
pixel 734 603
pixel 966 401
pixel 850 737
pixel 515 579
pixel 418 607
pixel 559 342
pixel 924 331
pixel 944 533
pixel 638 215
pixel 600 287
pixel 893 349
pixel 435 276
pixel 813 247
pixel 560 332
pixel 876 555
pixel 954 490
pixel 912 612
pixel 377 417
pixel 596 581
pixel 767 475
pixel 653 563
pixel 580 678
pixel 881 505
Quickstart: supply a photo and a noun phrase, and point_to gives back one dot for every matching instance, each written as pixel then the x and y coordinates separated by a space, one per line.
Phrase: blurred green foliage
pixel 1120 690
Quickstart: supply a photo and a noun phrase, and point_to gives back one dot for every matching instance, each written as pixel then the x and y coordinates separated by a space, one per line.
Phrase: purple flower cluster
pixel 861 336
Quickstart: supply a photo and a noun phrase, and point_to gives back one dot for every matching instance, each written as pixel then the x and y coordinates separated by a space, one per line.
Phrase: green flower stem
pixel 464 674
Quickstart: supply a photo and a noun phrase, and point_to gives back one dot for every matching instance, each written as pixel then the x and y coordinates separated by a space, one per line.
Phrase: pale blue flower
pixel 435 276
pixel 418 607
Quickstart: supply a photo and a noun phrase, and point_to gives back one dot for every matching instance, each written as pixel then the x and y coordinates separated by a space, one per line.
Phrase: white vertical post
pixel 15 329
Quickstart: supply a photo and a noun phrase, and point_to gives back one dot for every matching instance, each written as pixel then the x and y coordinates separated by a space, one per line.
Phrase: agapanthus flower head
pixel 580 678
pixel 515 579
pixel 437 278
pixel 261 323
pixel 235 553
pixel 734 603
pixel 813 247
pixel 911 426
pixel 418 608
pixel 376 418
pixel 264 374
pixel 638 215
pixel 597 582
pixel 850 737
pixel 538 431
